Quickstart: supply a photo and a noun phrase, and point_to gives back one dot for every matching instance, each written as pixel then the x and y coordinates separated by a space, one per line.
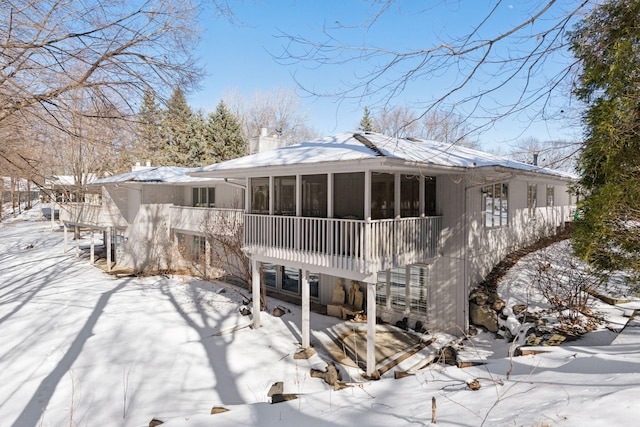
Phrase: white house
pixel 157 218
pixel 415 223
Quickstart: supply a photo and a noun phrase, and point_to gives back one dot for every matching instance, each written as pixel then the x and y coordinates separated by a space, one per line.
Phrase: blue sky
pixel 241 56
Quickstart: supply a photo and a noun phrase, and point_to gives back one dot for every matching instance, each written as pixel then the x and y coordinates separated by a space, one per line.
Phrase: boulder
pixel 330 376
pixel 482 315
pixel 498 305
pixel 278 312
pixel 479 296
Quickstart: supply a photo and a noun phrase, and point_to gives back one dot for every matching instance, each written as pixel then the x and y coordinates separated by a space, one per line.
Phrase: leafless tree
pixel 524 58
pixel 558 155
pixel 436 125
pixel 110 51
pixel 279 110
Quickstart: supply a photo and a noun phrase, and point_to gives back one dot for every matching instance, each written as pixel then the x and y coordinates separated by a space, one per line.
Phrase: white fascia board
pixel 378 164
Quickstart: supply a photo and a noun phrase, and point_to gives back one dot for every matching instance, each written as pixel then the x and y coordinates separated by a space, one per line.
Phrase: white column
pixel 92 247
pixel 66 236
pixel 76 235
pixel 298 195
pixel 371 328
pixel 305 309
pixel 272 194
pixel 367 194
pixel 396 197
pixel 247 196
pixel 255 292
pixel 53 210
pixel 421 196
pixel 330 195
pixel 108 248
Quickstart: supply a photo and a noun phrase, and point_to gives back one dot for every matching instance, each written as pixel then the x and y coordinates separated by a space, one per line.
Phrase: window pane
pixel 270 271
pixel 211 197
pixel 418 290
pixel 285 195
pixel 348 195
pixel 410 196
pixel 430 195
pixel 397 287
pixel 314 196
pixel 195 195
pixel 550 195
pixel 381 288
pixel 382 195
pixel 314 282
pixel 291 280
pixel 260 195
pixel 505 206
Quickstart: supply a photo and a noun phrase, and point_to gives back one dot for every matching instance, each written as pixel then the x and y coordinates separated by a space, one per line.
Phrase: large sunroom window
pixel 409 196
pixel 284 188
pixel 260 195
pixel 382 195
pixel 314 195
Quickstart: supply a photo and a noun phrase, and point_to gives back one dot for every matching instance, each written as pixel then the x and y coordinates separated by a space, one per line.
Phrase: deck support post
pixel 93 250
pixel 255 292
pixel 76 236
pixel 371 328
pixel 108 248
pixel 305 309
pixel 66 237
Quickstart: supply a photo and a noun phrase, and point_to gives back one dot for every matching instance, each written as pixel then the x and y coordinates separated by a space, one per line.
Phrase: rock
pixel 482 315
pixel 403 324
pixel 448 356
pixel 245 311
pixel 304 353
pixel 278 312
pixel 277 398
pixel 276 388
pixel 479 296
pixel 330 376
pixel 519 308
pixel 473 331
pixel 474 385
pixel 498 305
pixel 155 422
pixel 218 410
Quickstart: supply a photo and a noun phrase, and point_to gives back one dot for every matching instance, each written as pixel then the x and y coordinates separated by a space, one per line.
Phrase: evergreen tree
pixel 148 129
pixel 607 43
pixel 176 131
pixel 224 134
pixel 366 123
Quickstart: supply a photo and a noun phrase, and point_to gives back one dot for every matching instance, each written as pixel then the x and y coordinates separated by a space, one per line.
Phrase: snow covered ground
pixel 81 348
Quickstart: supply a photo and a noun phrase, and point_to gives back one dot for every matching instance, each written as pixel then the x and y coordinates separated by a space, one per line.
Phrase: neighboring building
pixel 159 218
pixel 416 223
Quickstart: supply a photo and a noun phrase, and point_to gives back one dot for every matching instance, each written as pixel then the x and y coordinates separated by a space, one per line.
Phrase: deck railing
pixel 365 246
pixel 81 214
pixel 205 220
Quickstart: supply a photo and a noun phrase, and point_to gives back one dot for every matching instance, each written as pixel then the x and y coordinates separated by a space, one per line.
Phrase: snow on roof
pixel 160 174
pixel 350 147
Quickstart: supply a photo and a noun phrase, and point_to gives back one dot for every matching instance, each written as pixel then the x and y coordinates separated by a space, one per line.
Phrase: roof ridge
pixel 367 143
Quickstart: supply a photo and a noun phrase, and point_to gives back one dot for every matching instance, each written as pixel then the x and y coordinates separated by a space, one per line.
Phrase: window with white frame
pixel 398 288
pixel 418 289
pixel 532 198
pixel 381 288
pixel 495 205
pixel 204 197
pixel 550 195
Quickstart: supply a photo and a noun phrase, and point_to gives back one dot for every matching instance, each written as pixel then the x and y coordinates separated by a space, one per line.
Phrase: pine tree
pixel 225 139
pixel 366 123
pixel 148 129
pixel 176 131
pixel 607 43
